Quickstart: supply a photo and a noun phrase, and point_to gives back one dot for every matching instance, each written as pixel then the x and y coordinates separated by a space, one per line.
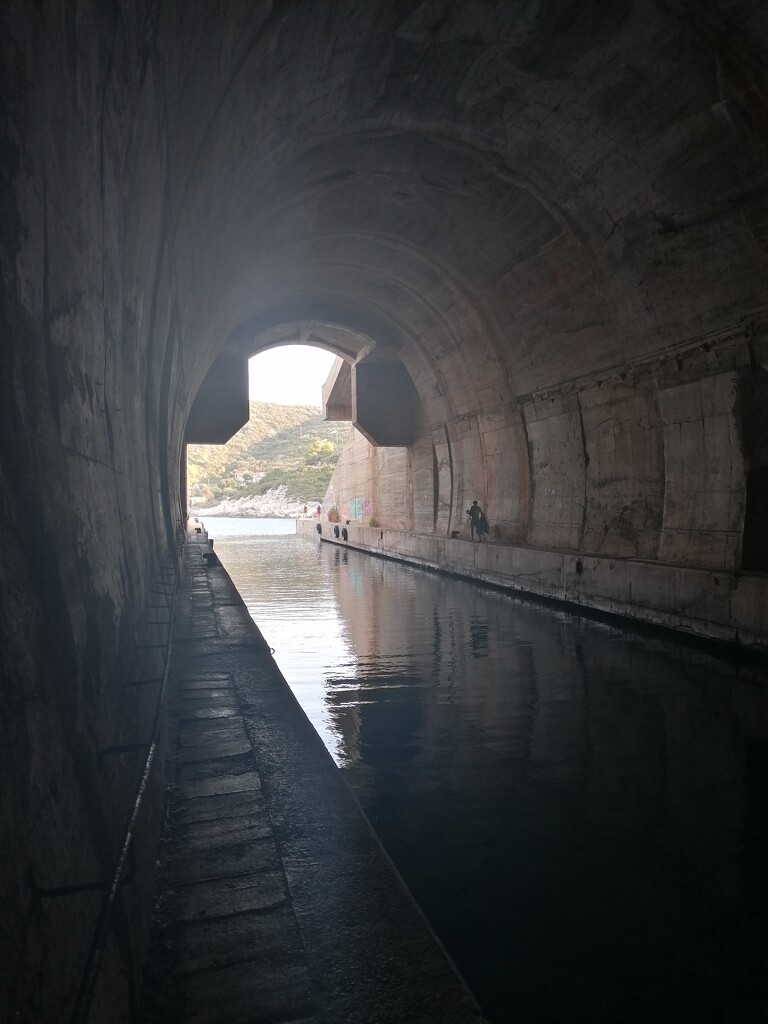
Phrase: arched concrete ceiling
pixel 349 344
pixel 511 199
pixel 515 196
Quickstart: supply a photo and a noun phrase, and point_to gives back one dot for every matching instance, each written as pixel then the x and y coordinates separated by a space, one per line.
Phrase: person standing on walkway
pixel 476 517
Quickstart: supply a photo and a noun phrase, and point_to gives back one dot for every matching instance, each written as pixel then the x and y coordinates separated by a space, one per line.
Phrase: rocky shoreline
pixel 275 504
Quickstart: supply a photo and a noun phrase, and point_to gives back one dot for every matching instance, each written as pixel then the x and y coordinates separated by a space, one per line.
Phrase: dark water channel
pixel 580 810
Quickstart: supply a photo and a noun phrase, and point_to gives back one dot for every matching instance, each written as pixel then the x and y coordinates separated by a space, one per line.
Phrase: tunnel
pixel 534 234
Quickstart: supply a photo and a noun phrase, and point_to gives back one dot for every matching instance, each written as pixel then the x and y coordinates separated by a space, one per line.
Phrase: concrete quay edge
pixel 277 902
pixel 700 603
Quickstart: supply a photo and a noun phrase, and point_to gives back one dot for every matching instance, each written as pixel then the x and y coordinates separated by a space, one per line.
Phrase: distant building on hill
pixel 243 475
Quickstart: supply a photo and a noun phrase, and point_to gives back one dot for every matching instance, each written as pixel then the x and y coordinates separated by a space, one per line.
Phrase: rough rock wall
pixel 86 503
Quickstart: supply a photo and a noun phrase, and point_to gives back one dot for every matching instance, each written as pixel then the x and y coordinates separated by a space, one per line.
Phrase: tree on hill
pixel 290 444
pixel 320 451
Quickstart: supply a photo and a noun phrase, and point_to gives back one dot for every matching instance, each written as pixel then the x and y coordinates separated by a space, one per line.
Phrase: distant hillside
pixel 288 445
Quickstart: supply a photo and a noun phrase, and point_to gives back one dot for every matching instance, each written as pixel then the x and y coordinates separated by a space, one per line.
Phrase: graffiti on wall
pixel 359 507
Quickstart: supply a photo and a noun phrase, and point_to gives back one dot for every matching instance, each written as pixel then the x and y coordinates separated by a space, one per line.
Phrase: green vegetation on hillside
pixel 281 444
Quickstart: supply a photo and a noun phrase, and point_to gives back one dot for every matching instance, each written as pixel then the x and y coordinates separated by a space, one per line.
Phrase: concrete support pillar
pixel 385 404
pixel 337 392
pixel 221 405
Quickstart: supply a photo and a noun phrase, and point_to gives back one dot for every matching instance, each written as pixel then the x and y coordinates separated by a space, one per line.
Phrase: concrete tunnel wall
pixel 553 214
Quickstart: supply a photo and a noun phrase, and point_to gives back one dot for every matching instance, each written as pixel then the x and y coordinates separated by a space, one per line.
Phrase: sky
pixel 289 375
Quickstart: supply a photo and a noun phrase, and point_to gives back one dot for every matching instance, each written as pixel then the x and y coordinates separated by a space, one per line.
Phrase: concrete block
pixel 221 897
pixel 238 858
pixel 247 936
pixel 247 782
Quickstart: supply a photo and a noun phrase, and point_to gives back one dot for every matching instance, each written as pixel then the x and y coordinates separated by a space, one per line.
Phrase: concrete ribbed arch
pixel 510 219
pixel 423 231
pixel 525 201
pixel 390 300
pixel 455 361
pixel 410 267
pixel 345 342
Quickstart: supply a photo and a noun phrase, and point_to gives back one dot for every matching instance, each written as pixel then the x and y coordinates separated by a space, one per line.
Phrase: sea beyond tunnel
pixel 536 235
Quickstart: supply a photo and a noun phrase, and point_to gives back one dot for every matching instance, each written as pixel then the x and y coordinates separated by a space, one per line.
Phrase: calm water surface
pixel 580 810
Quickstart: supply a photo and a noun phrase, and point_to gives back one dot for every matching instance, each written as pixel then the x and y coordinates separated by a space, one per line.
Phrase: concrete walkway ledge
pixel 705 603
pixel 276 901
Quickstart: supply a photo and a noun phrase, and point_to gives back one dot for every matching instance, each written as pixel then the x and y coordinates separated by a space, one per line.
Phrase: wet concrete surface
pixel 276 902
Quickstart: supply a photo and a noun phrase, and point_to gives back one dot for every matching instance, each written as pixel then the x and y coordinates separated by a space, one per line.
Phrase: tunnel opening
pixel 372 385
pixel 285 450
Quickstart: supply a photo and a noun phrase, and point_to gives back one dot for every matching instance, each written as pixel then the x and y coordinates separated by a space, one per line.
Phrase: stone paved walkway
pixel 276 902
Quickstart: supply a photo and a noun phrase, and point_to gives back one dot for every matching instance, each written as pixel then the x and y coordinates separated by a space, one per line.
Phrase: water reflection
pixel 580 811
